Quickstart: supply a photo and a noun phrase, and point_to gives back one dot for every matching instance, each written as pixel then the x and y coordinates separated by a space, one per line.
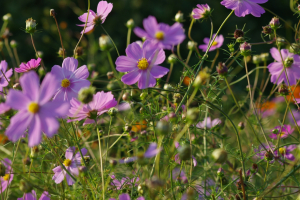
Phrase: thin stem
pixel 111 40
pixel 10 55
pixel 243 186
pixel 61 42
pixel 37 52
pixel 128 36
pixel 169 75
pixel 280 18
pixel 178 52
pixel 108 135
pixel 111 63
pixel 215 59
pixel 16 56
pixel 101 164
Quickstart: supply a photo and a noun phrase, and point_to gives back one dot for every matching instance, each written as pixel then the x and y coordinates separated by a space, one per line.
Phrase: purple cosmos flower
pixel 142 65
pixel 4 108
pixel 163 35
pixel 177 159
pixel 32 196
pixel 286 130
pixel 103 9
pixel 284 152
pixel 3 74
pixel 126 197
pixel 261 152
pixel 71 79
pixel 209 123
pixel 71 163
pixel 245 7
pixel 101 103
pixel 36 111
pixel 291 62
pixel 8 177
pixel 201 11
pixel 215 45
pixel 30 65
pixel 151 152
pixel 125 181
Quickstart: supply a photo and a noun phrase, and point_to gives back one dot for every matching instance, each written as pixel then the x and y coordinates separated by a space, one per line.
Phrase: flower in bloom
pixel 284 152
pixel 177 159
pixel 71 79
pixel 8 177
pixel 126 197
pixel 125 181
pixel 163 35
pixel 103 9
pixel 202 11
pixel 71 163
pixel 208 123
pixel 286 130
pixel 291 62
pixel 215 45
pixel 101 103
pixel 4 75
pixel 142 65
pixel 245 7
pixel 36 111
pixel 261 153
pixel 32 196
pixel 30 65
pixel 151 152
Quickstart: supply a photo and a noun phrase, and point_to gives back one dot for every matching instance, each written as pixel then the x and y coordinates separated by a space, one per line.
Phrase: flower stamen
pixel 143 64
pixel 67 162
pixel 33 107
pixel 159 35
pixel 65 83
pixel 6 177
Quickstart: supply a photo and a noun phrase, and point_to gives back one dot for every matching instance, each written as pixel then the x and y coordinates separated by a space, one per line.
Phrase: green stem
pixel 111 40
pixel 128 36
pixel 101 164
pixel 37 52
pixel 169 75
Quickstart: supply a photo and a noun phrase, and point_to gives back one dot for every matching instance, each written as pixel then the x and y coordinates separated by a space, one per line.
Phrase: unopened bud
pixel 86 94
pixel 269 156
pixel 110 75
pixel 245 49
pixel 240 39
pixel 238 33
pixel 275 23
pixel 52 12
pixel 241 125
pixel 281 41
pixel 113 162
pixel 220 172
pixel 231 47
pixel 34 152
pixel 168 87
pixel 256 59
pixel 78 52
pixel 202 77
pixel 179 17
pixel 264 57
pixel 7 17
pixel 13 44
pixel 112 111
pixel 294 48
pixel 191 45
pixel 283 90
pixel 163 127
pixel 126 96
pixel 105 43
pixel 192 115
pixel 16 86
pixel 222 69
pixel 127 127
pixel 254 168
pixel 25 186
pixel 185 152
pixel 275 131
pixel 172 59
pixel 40 54
pixel 61 52
pixel 30 26
pixel 267 30
pixel 177 97
pixel 130 24
pixel 219 155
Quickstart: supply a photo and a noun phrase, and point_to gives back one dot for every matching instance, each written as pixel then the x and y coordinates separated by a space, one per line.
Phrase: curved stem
pixel 169 75
pixel 37 52
pixel 111 40
pixel 61 42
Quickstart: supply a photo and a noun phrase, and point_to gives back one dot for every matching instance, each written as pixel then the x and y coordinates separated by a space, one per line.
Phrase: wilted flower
pixel 30 65
pixel 245 7
pixel 142 65
pixel 267 30
pixel 163 35
pixel 103 9
pixel 286 130
pixel 71 163
pixel 215 45
pixel 8 177
pixel 203 11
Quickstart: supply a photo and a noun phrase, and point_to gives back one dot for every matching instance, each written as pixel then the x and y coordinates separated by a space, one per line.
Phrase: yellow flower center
pixel 33 107
pixel 281 134
pixel 67 162
pixel 159 35
pixel 5 177
pixel 143 64
pixel 65 83
pixel 282 150
pixel 214 43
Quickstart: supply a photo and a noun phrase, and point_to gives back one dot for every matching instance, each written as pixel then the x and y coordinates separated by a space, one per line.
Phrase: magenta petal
pixel 108 9
pixel 146 80
pixel 84 16
pixel 150 25
pixel 58 72
pixel 70 180
pixel 70 152
pixel 160 57
pixel 48 88
pixel 140 32
pixel 58 177
pixel 55 108
pixel 131 77
pixel 102 5
pixel 158 71
pixel 124 197
pixel 275 54
pixel 69 65
pixel 134 51
pixel 17 100
pixel 49 125
pixel 45 196
pixel 82 72
pixel 126 64
pixel 30 83
pixel 35 131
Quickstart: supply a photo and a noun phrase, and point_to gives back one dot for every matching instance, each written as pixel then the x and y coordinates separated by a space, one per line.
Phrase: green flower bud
pixel 288 62
pixel 25 186
pixel 110 75
pixel 30 26
pixel 191 45
pixel 130 24
pixel 192 115
pixel 256 59
pixel 163 127
pixel 185 152
pixel 241 125
pixel 13 44
pixel 34 152
pixel 172 59
pixel 240 39
pixel 275 23
pixel 219 155
pixel 179 17
pixel 269 156
pixel 105 43
pixel 264 57
pixel 112 111
pixel 86 94
pixel 78 52
pixel 294 48
pixel 7 17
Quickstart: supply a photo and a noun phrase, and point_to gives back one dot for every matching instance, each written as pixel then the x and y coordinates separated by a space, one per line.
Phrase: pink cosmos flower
pixel 285 132
pixel 101 103
pixel 177 159
pixel 36 111
pixel 32 196
pixel 245 7
pixel 142 65
pixel 161 34
pixel 8 177
pixel 201 11
pixel 126 197
pixel 215 45
pixel 71 79
pixel 3 74
pixel 209 123
pixel 291 62
pixel 71 163
pixel 103 9
pixel 30 65
pixel 285 152
pixel 151 152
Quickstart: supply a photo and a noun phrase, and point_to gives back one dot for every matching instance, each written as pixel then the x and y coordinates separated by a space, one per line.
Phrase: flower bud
pixel 52 12
pixel 40 53
pixel 141 188
pixel 254 168
pixel 126 96
pixel 163 127
pixel 222 69
pixel 202 77
pixel 256 59
pixel 78 52
pixel 241 125
pixel 34 152
pixel 2 169
pixel 86 94
pixel 294 48
pixel 105 43
pixel 172 59
pixel 281 41
pixel 179 17
pixel 191 45
pixel 110 75
pixel 113 163
pixel 267 30
pixel 288 62
pixel 26 161
pixel 185 152
pixel 177 97
pixel 127 127
pixel 168 87
pixel 16 86
pixel 7 17
pixel 240 40
pixel 130 24
pixel 13 44
pixel 269 156
pixel 264 57
pixel 275 131
pixel 41 71
pixel 245 49
pixel 192 115
pixel 231 47
pixel 220 172
pixel 219 155
pixel 25 186
pixel 275 23
pixel 30 26
pixel 238 33
pixel 61 52
pixel 283 90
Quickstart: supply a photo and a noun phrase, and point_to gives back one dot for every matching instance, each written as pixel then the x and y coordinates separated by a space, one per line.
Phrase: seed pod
pixel 179 17
pixel 238 33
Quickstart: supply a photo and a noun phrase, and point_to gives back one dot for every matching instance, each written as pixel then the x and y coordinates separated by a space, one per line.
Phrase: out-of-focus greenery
pixel 67 11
